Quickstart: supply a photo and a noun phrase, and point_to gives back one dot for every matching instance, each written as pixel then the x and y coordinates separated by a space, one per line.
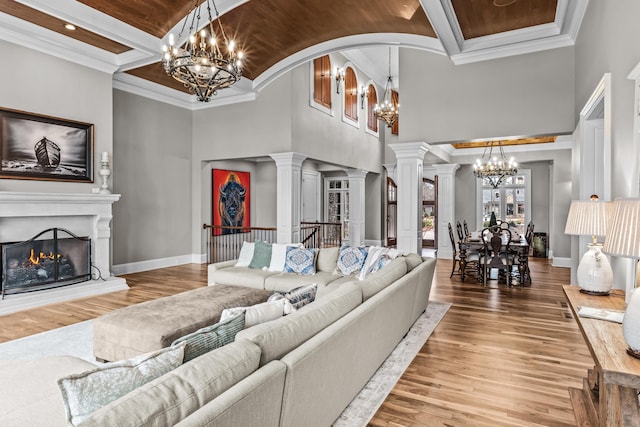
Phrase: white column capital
pixel 441 169
pixel 356 173
pixel 410 150
pixel 288 159
pixel 391 168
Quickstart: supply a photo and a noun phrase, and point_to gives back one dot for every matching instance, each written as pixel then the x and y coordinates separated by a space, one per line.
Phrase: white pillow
pixel 255 314
pixel 279 255
pixel 246 254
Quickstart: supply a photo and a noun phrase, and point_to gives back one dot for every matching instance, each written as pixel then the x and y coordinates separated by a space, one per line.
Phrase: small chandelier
pixel 494 169
pixel 387 111
pixel 200 63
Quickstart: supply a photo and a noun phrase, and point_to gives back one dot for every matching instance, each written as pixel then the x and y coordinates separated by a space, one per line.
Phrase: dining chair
pixel 524 266
pixel 472 258
pixel 466 228
pixel 496 253
pixel 459 230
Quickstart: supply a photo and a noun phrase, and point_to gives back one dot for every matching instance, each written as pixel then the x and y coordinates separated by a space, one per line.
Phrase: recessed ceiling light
pixel 70 27
pixel 503 3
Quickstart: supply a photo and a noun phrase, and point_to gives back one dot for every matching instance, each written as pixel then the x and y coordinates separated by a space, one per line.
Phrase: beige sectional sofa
pixel 301 369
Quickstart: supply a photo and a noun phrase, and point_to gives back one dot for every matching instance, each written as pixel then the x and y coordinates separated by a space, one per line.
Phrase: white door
pixel 310 196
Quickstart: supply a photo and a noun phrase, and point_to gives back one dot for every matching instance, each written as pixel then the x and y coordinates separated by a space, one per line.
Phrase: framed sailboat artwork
pixel 34 146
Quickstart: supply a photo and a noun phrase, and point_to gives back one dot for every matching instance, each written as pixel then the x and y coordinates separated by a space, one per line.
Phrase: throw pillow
pixel 377 257
pixel 279 255
pixel 300 260
pixel 301 296
pixel 87 392
pixel 211 337
pixel 261 255
pixel 246 254
pixel 256 314
pixel 351 259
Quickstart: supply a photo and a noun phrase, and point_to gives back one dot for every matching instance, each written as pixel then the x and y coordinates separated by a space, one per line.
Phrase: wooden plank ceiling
pixel 269 31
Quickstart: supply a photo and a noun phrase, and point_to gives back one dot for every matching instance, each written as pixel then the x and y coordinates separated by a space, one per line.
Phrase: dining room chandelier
pixel 206 60
pixel 492 168
pixel 387 111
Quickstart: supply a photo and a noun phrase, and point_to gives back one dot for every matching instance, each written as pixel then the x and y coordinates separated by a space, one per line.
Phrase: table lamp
pixel 623 239
pixel 590 218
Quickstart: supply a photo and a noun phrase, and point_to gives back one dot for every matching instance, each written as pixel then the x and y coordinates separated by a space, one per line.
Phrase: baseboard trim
pixel 561 262
pixel 153 264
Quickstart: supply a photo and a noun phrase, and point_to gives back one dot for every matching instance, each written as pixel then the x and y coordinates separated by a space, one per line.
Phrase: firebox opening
pixel 45 261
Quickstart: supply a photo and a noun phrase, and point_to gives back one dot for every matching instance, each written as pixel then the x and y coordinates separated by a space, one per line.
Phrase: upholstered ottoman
pixel 152 325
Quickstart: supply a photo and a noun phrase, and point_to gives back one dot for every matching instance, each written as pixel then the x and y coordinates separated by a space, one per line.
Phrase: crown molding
pixel 17 31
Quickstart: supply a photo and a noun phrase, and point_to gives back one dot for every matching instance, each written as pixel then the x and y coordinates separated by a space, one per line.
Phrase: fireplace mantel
pixel 24 214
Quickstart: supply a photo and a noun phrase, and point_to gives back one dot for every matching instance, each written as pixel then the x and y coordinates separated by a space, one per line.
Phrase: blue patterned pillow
pixel 300 260
pixel 351 259
pixel 301 296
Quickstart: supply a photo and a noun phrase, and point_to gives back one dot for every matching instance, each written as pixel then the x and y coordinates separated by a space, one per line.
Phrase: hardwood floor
pixel 500 357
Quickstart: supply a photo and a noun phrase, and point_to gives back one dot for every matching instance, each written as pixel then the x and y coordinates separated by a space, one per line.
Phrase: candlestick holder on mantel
pixel 105 172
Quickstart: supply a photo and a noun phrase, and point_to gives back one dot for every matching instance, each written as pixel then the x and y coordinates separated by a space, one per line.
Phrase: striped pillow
pixel 211 337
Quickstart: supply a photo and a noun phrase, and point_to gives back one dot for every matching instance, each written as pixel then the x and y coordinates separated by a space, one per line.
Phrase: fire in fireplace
pixel 45 261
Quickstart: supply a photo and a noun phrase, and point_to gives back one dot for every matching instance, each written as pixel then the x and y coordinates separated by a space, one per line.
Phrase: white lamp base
pixel 630 324
pixel 594 274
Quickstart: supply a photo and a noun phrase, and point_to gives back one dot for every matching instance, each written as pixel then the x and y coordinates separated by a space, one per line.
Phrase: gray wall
pixel 608 42
pixel 66 90
pixel 152 171
pixel 522 95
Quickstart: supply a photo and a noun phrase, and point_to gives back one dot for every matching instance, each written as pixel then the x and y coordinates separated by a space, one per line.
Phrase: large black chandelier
pixel 387 111
pixel 494 169
pixel 207 60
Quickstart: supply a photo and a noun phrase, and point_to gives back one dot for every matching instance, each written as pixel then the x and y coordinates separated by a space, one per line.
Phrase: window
pixel 372 100
pixel 510 201
pixel 337 205
pixel 351 94
pixel 322 81
pixel 392 212
pixel 396 101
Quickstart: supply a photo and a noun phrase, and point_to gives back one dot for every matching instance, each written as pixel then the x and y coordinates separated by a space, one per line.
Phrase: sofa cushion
pixel 287 281
pixel 280 336
pixel 382 278
pixel 351 259
pixel 413 260
pixel 261 255
pixel 175 395
pixel 327 259
pixel 241 276
pixel 34 398
pixel 259 313
pixel 300 260
pixel 86 392
pixel 211 337
pixel 246 254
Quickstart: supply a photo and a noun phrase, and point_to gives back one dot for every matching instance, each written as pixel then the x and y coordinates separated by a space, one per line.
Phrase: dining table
pixel 519 247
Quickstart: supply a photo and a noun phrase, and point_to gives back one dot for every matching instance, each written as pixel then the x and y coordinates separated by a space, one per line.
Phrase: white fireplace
pixel 23 215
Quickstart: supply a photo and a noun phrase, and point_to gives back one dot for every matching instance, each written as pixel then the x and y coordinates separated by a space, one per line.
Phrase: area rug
pixel 77 340
pixel 365 405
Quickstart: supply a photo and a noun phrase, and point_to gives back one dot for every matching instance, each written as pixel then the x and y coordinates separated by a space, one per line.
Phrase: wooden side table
pixel 609 396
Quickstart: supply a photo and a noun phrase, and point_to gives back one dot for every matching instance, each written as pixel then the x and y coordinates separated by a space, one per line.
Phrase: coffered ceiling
pixel 124 37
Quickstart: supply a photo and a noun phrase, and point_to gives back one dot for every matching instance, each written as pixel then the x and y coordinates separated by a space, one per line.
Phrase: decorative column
pixel 356 206
pixel 288 195
pixel 446 206
pixel 410 156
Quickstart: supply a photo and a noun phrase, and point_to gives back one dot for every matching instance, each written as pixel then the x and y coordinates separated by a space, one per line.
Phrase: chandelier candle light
pixel 495 170
pixel 201 63
pixel 387 111
pixel 591 218
pixel 623 240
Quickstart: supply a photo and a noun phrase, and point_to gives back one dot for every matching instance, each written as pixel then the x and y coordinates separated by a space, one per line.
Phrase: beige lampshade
pixel 623 236
pixel 588 218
